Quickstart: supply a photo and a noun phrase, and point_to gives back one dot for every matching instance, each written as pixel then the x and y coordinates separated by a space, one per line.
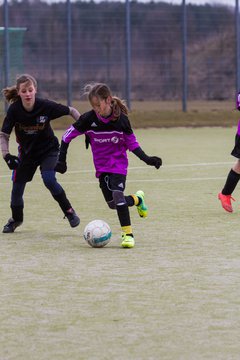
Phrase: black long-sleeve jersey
pixel 34 133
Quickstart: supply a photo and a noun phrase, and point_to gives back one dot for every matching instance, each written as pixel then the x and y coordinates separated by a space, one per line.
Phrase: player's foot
pixel 72 218
pixel 142 207
pixel 11 226
pixel 226 201
pixel 127 241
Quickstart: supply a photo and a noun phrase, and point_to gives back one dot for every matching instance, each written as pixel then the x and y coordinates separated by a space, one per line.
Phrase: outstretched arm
pixel 149 160
pixel 134 146
pixel 74 113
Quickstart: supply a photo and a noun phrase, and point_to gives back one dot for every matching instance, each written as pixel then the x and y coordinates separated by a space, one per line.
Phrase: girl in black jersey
pixel 38 146
pixel 110 135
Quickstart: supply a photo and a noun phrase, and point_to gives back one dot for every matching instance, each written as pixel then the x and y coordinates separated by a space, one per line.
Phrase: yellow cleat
pixel 141 208
pixel 127 241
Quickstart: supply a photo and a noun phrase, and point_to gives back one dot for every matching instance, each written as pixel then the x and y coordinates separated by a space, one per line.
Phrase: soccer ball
pixel 97 233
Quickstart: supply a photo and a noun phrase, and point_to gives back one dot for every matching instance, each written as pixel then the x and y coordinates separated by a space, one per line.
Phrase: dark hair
pixel 102 91
pixel 11 93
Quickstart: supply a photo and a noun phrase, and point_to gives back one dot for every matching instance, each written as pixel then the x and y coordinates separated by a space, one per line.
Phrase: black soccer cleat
pixel 11 226
pixel 72 218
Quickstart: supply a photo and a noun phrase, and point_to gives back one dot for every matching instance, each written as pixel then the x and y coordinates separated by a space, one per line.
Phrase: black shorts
pixel 236 150
pixel 28 166
pixel 109 182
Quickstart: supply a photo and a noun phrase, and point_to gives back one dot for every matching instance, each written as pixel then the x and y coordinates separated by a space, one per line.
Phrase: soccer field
pixel 174 296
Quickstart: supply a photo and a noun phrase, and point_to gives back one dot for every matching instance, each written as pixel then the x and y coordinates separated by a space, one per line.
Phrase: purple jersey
pixel 238 107
pixel 109 141
pixel 238 101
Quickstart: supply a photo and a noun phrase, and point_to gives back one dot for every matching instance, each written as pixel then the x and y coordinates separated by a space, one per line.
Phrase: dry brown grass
pixel 169 114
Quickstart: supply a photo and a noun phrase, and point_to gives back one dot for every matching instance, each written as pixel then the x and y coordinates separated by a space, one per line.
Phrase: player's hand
pixel 154 161
pixel 61 167
pixel 12 161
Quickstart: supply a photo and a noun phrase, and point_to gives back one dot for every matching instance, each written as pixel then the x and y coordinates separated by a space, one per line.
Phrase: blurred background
pixel 145 51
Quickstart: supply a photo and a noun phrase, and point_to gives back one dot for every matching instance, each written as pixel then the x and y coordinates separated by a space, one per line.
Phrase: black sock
pixel 17 213
pixel 129 200
pixel 63 201
pixel 231 182
pixel 123 215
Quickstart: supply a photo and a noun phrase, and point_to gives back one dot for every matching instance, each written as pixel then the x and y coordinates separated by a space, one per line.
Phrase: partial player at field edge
pixel 234 174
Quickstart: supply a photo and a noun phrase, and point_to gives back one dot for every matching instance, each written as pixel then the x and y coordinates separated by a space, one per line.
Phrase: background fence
pixel 144 51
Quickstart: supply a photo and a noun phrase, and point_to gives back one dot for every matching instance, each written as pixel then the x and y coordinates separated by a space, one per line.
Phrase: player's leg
pixel 20 176
pixel 232 180
pixel 138 199
pixel 112 186
pixel 56 190
pixel 124 219
pixel 17 205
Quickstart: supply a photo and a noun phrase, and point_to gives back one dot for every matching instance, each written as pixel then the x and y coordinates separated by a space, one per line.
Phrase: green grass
pixel 174 296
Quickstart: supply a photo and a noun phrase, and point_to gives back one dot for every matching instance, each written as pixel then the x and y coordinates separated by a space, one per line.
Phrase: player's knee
pixel 119 198
pixel 236 166
pixel 111 205
pixel 49 180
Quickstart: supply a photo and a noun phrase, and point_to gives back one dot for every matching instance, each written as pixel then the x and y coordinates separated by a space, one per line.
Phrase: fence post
pixel 128 54
pixel 184 56
pixel 237 46
pixel 6 44
pixel 6 47
pixel 69 53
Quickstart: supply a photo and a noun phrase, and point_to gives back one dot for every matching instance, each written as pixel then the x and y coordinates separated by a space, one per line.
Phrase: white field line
pixel 198 164
pixel 177 180
pixel 144 180
pixel 145 168
pixel 62 182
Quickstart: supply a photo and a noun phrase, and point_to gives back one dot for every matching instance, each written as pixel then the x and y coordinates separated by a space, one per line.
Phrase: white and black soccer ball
pixel 97 233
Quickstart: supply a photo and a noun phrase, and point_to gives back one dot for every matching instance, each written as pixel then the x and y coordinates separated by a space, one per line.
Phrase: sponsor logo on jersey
pixel 94 124
pixel 29 129
pixel 42 119
pixel 114 140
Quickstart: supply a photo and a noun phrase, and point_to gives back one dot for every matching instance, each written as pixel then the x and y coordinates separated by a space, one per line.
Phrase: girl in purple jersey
pixel 38 146
pixel 234 174
pixel 108 131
